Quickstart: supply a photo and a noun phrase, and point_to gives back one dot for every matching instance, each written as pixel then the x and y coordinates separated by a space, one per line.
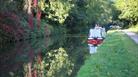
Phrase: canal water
pixel 47 57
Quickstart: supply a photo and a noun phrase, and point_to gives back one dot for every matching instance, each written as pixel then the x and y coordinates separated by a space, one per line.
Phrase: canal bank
pixel 116 57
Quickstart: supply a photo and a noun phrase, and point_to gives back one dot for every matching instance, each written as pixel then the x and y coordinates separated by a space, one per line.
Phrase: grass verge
pixel 116 57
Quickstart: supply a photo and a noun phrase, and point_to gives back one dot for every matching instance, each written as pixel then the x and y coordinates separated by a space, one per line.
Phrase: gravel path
pixel 132 35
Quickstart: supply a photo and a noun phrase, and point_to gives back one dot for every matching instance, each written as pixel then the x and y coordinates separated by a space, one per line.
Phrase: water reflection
pixel 48 57
pixel 92 49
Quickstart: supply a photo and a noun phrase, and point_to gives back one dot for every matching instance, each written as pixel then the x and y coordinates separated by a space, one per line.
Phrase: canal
pixel 48 57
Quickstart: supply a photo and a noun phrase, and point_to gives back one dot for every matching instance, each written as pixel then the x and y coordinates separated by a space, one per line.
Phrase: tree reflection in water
pixel 49 57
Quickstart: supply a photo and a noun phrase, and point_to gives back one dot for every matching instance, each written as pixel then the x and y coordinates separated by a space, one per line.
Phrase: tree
pixel 99 11
pixel 129 10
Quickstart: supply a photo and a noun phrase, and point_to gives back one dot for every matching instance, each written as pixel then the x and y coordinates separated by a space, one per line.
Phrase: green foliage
pixel 11 5
pixel 57 10
pixel 58 61
pixel 13 15
pixel 86 12
pixel 61 16
pixel 99 11
pixel 41 4
pixel 134 28
pixel 129 10
pixel 76 21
